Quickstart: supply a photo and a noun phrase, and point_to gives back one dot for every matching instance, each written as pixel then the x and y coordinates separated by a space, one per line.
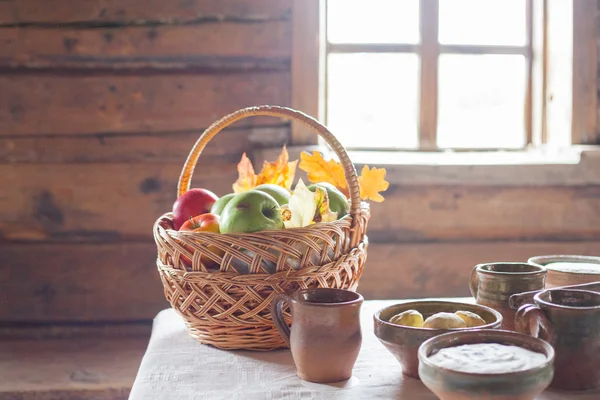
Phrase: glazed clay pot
pixel 567 276
pixel 492 285
pixel 404 341
pixel 449 384
pixel 325 337
pixel 570 321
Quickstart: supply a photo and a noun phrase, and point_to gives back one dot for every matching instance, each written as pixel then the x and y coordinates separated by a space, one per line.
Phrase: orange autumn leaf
pixel 319 170
pixel 247 177
pixel 371 183
pixel 280 172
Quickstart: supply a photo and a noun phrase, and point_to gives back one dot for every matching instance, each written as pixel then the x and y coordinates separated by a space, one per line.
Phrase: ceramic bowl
pixel 448 384
pixel 564 277
pixel 404 341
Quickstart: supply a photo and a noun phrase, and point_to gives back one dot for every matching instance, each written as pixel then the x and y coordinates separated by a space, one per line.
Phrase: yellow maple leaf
pixel 319 170
pixel 280 172
pixel 371 183
pixel 247 178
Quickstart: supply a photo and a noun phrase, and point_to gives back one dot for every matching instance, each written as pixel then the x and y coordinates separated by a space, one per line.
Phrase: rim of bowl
pixel 498 316
pixel 538 298
pixel 542 261
pixel 540 269
pixel 493 333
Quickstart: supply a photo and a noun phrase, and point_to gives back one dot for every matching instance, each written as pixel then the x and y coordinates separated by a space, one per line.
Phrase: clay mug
pixel 325 337
pixel 492 284
pixel 570 321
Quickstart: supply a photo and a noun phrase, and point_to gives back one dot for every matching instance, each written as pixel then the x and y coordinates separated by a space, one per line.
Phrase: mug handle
pixel 277 315
pixel 474 282
pixel 531 320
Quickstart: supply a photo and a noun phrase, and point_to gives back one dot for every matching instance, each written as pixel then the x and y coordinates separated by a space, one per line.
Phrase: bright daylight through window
pixel 454 72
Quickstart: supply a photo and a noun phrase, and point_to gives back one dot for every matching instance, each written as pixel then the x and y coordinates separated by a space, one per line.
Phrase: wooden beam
pixel 92 368
pixel 415 48
pixel 429 51
pixel 159 147
pixel 528 113
pixel 75 105
pixel 74 330
pixel 575 167
pixel 98 202
pixel 305 67
pixel 224 45
pixel 538 36
pixel 56 291
pixel 134 12
pixel 481 49
pixel 584 128
pixel 372 48
pixel 559 72
pixel 78 202
pixel 401 271
pixel 72 282
pixel 468 213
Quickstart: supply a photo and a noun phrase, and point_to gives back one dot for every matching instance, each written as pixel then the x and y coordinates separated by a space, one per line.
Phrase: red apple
pixel 191 203
pixel 202 223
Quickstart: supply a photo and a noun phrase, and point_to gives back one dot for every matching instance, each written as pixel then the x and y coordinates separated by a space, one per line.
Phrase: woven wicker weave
pixel 222 284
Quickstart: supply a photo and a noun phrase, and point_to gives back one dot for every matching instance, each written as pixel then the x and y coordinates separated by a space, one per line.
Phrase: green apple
pixel 337 201
pixel 251 211
pixel 279 193
pixel 219 205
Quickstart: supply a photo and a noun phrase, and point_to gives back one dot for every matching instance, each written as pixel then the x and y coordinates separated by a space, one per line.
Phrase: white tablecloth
pixel 176 367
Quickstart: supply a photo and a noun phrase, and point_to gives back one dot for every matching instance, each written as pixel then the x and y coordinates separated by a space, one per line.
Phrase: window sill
pixel 576 165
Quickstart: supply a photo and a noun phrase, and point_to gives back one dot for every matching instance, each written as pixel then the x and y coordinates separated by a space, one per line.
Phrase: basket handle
pixel 275 111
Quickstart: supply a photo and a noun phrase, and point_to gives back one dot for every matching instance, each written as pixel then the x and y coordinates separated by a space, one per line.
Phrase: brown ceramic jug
pixel 570 321
pixel 325 337
pixel 492 284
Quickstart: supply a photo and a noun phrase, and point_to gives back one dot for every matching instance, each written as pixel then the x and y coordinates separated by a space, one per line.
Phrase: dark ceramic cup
pixel 325 337
pixel 492 285
pixel 570 321
pixel 451 384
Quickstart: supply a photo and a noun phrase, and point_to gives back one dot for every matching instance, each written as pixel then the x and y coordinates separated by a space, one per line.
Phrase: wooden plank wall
pixel 100 102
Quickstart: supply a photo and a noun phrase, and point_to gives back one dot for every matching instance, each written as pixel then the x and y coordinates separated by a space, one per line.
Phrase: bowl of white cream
pixel 564 270
pixel 486 364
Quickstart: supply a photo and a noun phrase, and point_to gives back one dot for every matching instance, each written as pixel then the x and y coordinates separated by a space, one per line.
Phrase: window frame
pixel 579 101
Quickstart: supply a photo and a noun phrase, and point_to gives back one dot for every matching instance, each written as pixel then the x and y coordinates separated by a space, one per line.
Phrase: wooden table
pixel 175 366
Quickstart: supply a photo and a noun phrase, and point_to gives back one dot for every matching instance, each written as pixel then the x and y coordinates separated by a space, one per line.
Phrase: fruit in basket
pixel 202 223
pixel 470 318
pixel 251 211
pixel 444 320
pixel 408 318
pixel 191 203
pixel 338 202
pixel 281 194
pixel 219 205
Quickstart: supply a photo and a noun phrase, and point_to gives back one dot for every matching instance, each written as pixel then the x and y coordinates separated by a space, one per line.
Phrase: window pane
pixel 372 99
pixel 483 22
pixel 373 21
pixel 481 101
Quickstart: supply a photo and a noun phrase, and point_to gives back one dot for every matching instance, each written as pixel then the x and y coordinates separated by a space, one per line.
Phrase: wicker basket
pixel 228 306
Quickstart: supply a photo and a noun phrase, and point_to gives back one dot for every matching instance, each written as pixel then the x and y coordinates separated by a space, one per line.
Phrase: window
pixel 454 74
